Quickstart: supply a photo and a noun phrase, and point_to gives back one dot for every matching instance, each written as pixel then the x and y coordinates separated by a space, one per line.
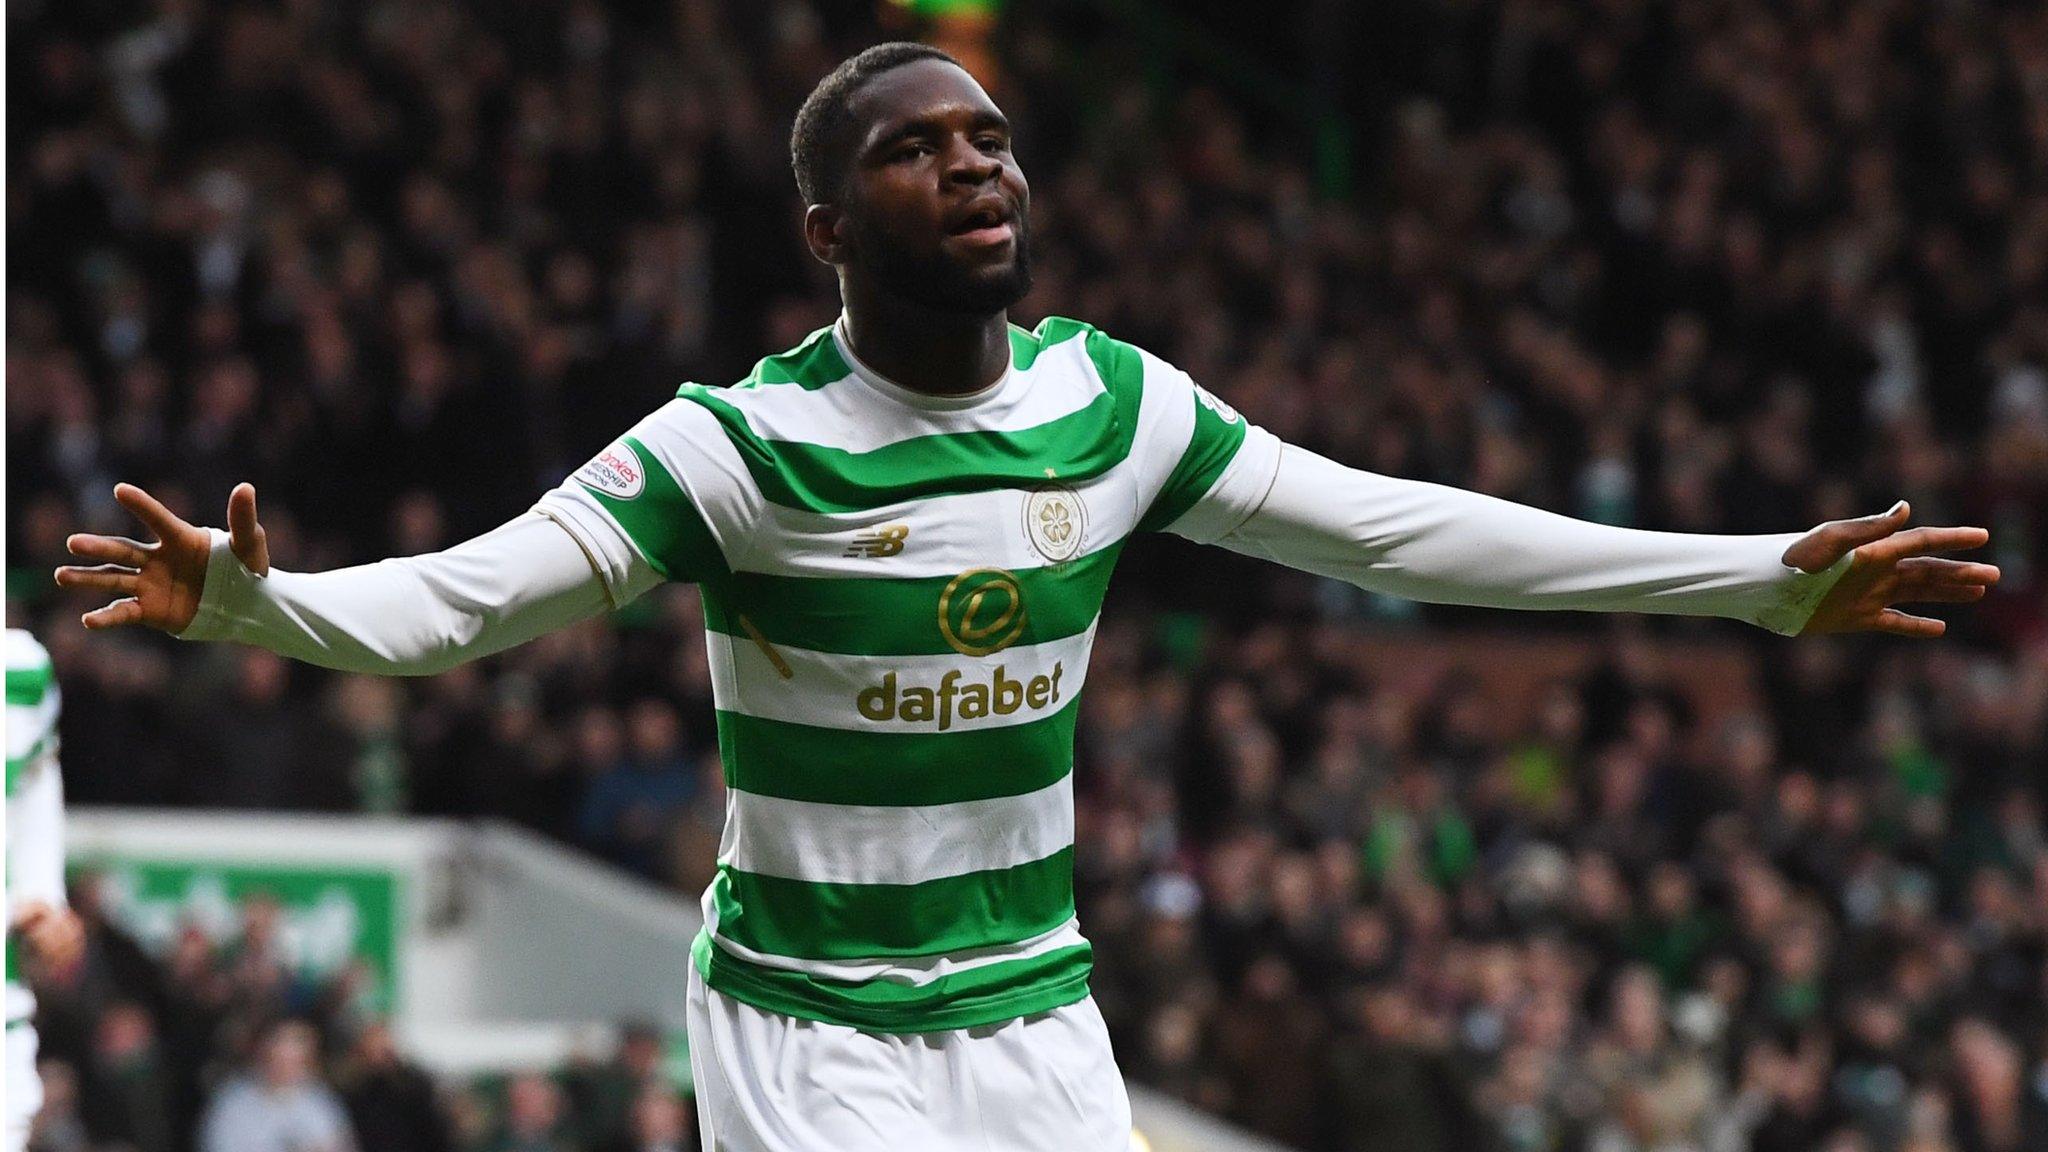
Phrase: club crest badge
pixel 1055 521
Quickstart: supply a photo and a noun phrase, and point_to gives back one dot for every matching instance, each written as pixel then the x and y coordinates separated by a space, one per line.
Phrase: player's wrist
pixel 224 595
pixel 1799 595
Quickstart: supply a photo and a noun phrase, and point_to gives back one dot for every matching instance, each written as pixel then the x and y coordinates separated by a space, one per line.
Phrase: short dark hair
pixel 821 143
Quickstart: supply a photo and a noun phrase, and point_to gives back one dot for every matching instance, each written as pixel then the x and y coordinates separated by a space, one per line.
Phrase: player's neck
pixel 936 353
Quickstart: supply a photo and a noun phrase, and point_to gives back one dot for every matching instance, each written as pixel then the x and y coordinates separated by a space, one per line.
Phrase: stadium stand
pixel 1360 876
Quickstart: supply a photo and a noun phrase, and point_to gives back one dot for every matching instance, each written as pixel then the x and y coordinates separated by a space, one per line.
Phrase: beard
pixel 935 282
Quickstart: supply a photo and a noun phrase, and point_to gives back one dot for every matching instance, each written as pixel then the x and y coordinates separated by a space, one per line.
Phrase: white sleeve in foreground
pixel 1448 546
pixel 413 616
pixel 35 837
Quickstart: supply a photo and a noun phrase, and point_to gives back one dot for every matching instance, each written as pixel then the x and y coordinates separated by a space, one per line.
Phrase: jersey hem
pixel 730 977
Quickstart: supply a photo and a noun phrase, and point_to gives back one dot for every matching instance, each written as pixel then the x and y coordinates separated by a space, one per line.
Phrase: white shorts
pixel 773 1083
pixel 24 1087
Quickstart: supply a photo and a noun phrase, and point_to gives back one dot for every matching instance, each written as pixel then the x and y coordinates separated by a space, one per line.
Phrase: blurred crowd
pixel 1723 266
pixel 234 1045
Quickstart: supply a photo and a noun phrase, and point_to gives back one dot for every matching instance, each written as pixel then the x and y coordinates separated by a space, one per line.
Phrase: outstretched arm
pixel 1448 546
pixel 36 907
pixel 407 617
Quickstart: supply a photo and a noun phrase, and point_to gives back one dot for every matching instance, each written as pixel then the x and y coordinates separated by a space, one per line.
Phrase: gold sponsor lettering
pixel 951 700
pixel 878 702
pixel 981 611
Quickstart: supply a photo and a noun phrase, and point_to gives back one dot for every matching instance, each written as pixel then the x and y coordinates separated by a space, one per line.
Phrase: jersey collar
pixel 911 396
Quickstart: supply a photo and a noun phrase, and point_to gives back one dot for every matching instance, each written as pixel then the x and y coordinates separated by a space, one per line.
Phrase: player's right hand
pixel 159 584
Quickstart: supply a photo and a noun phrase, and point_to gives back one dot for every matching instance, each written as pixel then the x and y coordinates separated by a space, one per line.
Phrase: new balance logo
pixel 884 541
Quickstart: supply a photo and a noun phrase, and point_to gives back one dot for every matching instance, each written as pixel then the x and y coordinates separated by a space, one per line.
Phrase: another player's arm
pixel 412 616
pixel 37 912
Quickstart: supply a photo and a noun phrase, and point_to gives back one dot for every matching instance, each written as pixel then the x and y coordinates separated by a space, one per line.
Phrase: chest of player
pixel 965 574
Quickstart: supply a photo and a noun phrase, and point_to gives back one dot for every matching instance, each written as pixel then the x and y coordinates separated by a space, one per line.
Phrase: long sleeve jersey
pixel 901 591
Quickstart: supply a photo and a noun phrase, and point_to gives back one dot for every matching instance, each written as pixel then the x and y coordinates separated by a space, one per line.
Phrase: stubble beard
pixel 940 285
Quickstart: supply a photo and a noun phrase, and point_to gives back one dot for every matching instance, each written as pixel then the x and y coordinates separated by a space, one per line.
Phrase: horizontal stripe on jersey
pixel 18 766
pixel 900 594
pixel 941 536
pixel 979 995
pixel 1219 433
pixel 27 683
pixel 817 361
pixel 840 921
pixel 894 844
pixel 838 766
pixel 954 693
pixel 1076 447
pixel 663 521
pixel 876 616
pixel 910 971
pixel 812 364
pixel 32 705
pixel 852 417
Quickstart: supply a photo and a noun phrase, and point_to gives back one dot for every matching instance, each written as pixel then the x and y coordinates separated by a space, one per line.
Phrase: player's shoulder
pixel 26 656
pixel 813 364
pixel 796 382
pixel 1120 365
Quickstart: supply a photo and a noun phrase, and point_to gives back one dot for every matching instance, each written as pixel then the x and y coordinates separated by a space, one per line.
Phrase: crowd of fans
pixel 1731 266
pixel 242 1048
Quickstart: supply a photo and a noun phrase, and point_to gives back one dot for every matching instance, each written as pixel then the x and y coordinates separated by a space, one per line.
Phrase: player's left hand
pixel 1892 565
pixel 54 935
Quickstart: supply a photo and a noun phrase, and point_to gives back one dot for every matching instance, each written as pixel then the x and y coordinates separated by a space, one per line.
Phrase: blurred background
pixel 1361 875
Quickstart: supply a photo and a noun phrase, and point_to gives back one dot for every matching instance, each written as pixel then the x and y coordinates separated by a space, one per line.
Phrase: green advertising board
pixel 331 914
pixel 953 7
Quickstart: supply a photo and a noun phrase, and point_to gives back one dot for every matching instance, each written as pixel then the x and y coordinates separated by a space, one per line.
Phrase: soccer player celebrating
pixel 37 916
pixel 903 529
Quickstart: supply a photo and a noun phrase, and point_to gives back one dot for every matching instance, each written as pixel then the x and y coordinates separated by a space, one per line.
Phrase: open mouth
pixel 989 224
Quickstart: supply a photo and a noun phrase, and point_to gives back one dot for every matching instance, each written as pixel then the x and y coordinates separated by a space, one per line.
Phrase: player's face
pixel 936 207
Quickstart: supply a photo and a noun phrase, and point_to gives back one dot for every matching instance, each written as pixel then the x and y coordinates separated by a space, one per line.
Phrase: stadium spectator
pixel 279 1104
pixel 534 1119
pixel 391 1101
pixel 606 1096
pixel 660 1123
pixel 630 803
pixel 1389 1084
pixel 128 1092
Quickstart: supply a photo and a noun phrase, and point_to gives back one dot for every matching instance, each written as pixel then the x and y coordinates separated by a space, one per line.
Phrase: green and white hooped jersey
pixel 35 853
pixel 901 592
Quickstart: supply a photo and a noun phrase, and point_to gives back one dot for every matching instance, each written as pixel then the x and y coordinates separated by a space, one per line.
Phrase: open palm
pixel 159 585
pixel 1892 565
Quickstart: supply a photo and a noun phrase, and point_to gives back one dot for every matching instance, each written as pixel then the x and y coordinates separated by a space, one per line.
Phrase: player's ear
pixel 823 227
